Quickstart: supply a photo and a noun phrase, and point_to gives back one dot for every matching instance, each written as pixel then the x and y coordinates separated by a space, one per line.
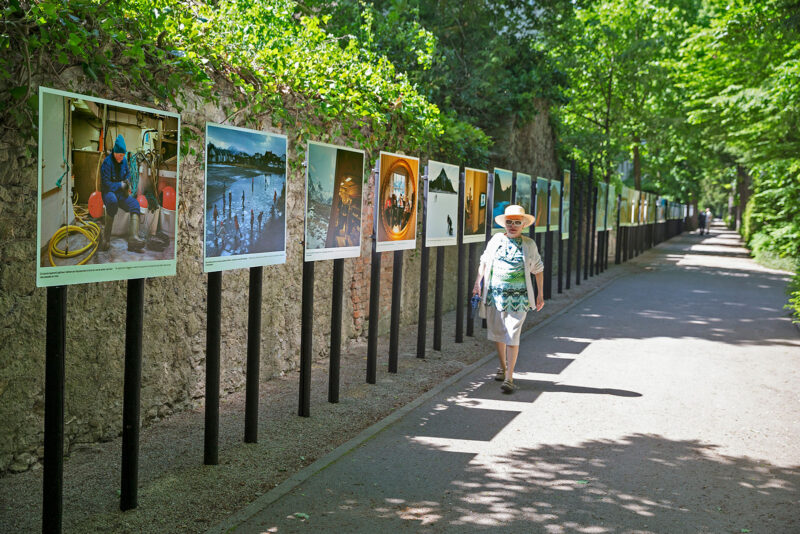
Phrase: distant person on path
pixel 709 218
pixel 701 221
pixel 242 205
pixel 505 287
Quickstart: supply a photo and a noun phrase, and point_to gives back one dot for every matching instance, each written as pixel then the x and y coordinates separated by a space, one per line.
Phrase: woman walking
pixel 506 290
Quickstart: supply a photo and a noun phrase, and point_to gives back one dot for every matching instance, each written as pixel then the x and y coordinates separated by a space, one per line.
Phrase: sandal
pixel 508 386
pixel 500 375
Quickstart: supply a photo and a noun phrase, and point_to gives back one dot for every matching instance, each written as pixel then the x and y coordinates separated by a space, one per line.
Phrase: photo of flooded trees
pixel 245 206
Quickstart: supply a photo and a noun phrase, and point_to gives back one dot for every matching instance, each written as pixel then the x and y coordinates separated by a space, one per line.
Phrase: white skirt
pixel 504 326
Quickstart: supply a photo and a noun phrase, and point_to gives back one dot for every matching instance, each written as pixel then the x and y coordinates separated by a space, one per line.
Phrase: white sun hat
pixel 515 210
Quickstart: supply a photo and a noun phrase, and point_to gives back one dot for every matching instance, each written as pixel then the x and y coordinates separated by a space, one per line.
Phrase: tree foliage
pixel 484 63
pixel 742 74
pixel 694 93
pixel 619 59
pixel 278 64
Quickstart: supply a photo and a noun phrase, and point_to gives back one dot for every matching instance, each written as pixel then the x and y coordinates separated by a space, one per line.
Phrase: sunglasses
pixel 510 222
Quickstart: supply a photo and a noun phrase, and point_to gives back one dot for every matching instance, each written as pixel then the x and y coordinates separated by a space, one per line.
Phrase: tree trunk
pixel 743 188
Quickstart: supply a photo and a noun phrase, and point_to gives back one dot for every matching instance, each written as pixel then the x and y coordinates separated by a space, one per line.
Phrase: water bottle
pixel 475 300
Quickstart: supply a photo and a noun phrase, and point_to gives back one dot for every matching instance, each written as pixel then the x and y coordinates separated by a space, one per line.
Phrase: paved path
pixel 669 401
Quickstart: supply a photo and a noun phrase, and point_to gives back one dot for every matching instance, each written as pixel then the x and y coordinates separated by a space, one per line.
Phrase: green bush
pixel 794 297
pixel 761 245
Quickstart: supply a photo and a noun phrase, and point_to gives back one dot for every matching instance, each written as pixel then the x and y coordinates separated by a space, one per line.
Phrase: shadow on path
pixel 640 483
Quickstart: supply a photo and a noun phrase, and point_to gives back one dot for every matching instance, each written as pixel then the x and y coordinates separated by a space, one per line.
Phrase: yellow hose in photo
pixel 90 230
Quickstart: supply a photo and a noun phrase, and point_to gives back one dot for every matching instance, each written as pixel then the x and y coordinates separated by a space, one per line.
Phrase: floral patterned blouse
pixel 507 288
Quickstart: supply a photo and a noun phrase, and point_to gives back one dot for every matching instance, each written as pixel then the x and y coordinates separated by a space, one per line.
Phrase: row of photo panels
pixel 109 189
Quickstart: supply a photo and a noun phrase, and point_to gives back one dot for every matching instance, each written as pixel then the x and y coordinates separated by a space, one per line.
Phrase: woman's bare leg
pixel 501 354
pixel 513 351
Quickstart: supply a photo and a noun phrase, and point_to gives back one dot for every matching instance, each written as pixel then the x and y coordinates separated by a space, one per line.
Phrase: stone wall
pixel 173 371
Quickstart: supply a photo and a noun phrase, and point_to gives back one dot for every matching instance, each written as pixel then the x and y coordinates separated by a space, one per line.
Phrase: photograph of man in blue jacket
pixel 116 188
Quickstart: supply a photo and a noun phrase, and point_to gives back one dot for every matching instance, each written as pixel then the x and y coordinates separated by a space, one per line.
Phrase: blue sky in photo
pixel 321 166
pixel 505 178
pixel 451 171
pixel 247 142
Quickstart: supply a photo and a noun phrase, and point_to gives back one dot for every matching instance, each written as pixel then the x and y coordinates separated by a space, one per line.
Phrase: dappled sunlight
pixel 476 459
pixel 591 488
pixel 696 308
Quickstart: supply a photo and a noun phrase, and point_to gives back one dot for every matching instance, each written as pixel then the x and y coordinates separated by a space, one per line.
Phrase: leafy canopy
pixel 277 64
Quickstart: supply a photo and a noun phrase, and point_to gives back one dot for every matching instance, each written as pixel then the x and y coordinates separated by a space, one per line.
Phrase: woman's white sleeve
pixel 537 264
pixel 488 252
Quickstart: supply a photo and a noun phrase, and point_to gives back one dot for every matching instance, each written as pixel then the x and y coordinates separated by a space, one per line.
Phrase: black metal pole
pixel 55 352
pixel 374 311
pixel 627 251
pixel 560 230
pixel 336 330
pixel 639 236
pixel 570 219
pixel 601 261
pixel 394 333
pixel 601 236
pixel 579 229
pixel 626 254
pixel 131 394
pixel 422 316
pixel 593 230
pixel 253 356
pixel 306 339
pixel 548 265
pixel 471 274
pixel 645 234
pixel 533 235
pixel 589 219
pixel 460 301
pixel 618 244
pixel 548 245
pixel 607 224
pixel 624 247
pixel 489 218
pixel 438 298
pixel 642 244
pixel 213 335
